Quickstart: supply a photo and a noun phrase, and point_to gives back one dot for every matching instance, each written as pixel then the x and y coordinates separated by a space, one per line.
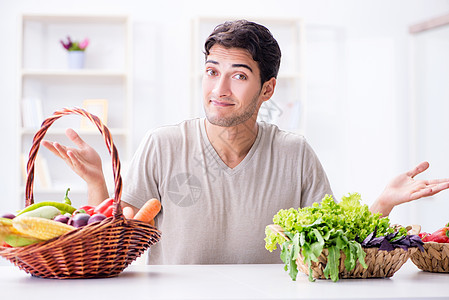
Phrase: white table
pixel 222 282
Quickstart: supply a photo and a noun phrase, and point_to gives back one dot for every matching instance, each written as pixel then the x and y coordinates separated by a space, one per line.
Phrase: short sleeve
pixel 315 184
pixel 141 180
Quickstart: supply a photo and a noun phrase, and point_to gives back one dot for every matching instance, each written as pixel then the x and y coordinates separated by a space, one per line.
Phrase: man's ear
pixel 268 89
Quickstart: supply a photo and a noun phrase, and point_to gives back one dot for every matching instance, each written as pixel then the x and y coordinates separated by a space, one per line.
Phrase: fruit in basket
pixel 40 228
pixel 12 237
pixel 62 218
pixel 106 207
pixel 128 212
pixel 8 216
pixel 148 211
pixel 63 207
pixel 79 220
pixel 439 236
pixel 47 212
pixel 88 209
pixel 96 218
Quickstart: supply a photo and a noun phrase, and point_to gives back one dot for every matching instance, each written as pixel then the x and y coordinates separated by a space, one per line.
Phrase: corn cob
pixel 40 228
pixel 5 222
pixel 12 237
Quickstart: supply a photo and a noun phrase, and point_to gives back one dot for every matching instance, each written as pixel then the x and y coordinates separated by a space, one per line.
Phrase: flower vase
pixel 76 59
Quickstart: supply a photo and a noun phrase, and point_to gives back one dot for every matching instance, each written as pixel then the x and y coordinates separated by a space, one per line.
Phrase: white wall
pixel 358 109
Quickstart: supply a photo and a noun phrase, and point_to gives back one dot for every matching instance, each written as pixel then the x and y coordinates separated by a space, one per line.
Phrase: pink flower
pixel 74 45
pixel 83 45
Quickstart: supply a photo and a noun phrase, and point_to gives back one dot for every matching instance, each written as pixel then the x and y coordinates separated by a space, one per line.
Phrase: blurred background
pixel 366 82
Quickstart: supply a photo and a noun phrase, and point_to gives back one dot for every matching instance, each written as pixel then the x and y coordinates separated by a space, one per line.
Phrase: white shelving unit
pixel 45 78
pixel 287 107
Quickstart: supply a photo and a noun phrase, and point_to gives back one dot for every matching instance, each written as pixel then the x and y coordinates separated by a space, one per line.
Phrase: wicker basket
pixel 380 263
pixel 434 258
pixel 102 249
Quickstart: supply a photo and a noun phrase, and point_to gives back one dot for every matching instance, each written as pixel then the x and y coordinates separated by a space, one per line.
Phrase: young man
pixel 222 178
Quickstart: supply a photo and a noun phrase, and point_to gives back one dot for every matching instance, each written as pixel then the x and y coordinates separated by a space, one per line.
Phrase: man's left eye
pixel 240 77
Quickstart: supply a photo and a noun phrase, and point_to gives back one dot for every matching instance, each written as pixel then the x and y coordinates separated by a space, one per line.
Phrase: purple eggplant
pixel 62 218
pixel 8 216
pixel 96 218
pixel 79 220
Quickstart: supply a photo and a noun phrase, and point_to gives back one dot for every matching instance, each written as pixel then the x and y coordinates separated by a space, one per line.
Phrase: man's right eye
pixel 211 72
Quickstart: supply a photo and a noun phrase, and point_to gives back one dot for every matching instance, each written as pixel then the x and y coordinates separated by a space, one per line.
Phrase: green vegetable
pixel 67 199
pixel 63 207
pixel 326 225
pixel 47 212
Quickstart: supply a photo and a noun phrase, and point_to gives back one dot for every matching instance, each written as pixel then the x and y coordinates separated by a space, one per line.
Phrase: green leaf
pixel 317 247
pixel 296 247
pixel 350 252
pixel 293 268
pixel 333 262
pixel 360 253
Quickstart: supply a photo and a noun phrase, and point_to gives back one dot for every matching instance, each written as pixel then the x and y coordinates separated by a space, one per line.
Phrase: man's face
pixel 231 86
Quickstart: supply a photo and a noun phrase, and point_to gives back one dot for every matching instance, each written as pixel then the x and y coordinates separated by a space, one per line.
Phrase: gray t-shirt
pixel 212 214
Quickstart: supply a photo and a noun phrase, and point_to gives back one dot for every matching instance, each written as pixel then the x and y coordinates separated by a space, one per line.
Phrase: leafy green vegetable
pixel 326 225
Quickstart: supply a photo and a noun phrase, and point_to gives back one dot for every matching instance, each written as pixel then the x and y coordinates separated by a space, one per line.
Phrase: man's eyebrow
pixel 242 66
pixel 233 65
pixel 209 61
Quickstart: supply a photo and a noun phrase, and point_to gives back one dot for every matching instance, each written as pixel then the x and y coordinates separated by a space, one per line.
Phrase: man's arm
pixel 404 188
pixel 86 162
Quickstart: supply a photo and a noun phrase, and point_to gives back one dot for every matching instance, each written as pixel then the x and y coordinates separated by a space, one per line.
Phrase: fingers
pixel 52 146
pixel 74 137
pixel 437 181
pixel 62 150
pixel 418 169
pixel 436 188
pixel 421 193
pixel 429 190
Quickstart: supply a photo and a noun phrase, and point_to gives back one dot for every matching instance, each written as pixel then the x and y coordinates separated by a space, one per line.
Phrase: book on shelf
pixel 32 116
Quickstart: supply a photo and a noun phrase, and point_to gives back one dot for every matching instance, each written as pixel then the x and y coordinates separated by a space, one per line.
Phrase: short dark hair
pixel 254 38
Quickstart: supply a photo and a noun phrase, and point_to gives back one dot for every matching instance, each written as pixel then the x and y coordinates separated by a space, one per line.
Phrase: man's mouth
pixel 221 103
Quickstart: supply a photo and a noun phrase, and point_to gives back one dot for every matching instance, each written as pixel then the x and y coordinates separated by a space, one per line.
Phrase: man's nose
pixel 222 88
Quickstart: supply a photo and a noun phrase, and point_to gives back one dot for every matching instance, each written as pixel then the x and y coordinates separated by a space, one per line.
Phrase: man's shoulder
pixel 186 127
pixel 282 137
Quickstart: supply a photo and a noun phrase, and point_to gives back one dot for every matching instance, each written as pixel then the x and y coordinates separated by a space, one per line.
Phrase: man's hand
pixel 404 188
pixel 85 162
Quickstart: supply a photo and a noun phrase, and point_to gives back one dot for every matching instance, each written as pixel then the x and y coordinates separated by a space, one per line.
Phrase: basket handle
pixel 29 198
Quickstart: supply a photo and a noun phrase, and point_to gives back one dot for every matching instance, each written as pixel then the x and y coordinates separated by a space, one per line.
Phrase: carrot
pixel 148 211
pixel 128 212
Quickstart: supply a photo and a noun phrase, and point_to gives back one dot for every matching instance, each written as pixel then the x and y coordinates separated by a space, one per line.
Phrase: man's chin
pixel 227 121
pixel 222 122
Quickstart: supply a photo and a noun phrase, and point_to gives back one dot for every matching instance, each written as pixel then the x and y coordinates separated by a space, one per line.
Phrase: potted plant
pixel 75 52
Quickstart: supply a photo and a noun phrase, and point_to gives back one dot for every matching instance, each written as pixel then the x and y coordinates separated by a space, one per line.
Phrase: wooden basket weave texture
pixel 101 249
pixel 380 264
pixel 434 258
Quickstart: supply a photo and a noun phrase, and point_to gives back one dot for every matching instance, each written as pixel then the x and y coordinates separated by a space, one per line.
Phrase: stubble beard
pixel 236 118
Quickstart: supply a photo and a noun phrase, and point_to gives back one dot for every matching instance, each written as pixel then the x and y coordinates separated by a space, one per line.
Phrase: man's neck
pixel 232 143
